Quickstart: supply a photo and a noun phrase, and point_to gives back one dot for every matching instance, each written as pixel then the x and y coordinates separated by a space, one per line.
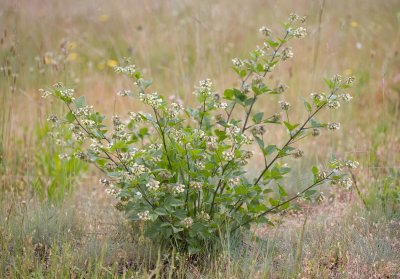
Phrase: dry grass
pixel 179 43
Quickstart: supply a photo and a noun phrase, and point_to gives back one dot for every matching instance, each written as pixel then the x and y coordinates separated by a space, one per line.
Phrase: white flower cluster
pixel 317 96
pixel 333 104
pixel 281 88
pixel 298 153
pixel 178 188
pixel 200 164
pixel 64 156
pixel 137 117
pixel 196 185
pixel 228 156
pixel 152 99
pixel 153 185
pixel 265 31
pixel 284 105
pixel 127 70
pixel 237 62
pixel 154 147
pixel 221 105
pixel 333 126
pixel 174 110
pixel 346 97
pixel 258 130
pixel 352 164
pixel 322 175
pixel 346 183
pixel 232 130
pixel 144 216
pixel 96 147
pixel 211 142
pixel 337 78
pixel 233 181
pixel 187 222
pixel 300 32
pixel 198 134
pixel 350 80
pixel 113 191
pixel 204 89
pixel 45 93
pixel 85 111
pixel 124 93
pixel 287 53
pixel 204 216
pixel 137 169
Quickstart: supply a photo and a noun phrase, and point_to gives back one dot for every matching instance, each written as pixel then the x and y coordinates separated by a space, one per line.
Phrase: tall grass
pixel 77 43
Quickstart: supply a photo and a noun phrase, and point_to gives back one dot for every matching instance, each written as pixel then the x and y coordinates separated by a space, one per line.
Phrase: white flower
pixel 45 93
pixel 187 222
pixel 333 104
pixel 196 185
pixel 138 195
pixel 228 156
pixel 346 183
pixel 153 185
pixel 350 80
pixel 152 99
pixel 174 110
pixel 346 97
pixel 333 126
pixel 205 88
pixel 337 78
pixel 64 156
pixel 265 31
pixel 300 32
pixel 204 216
pixel 352 164
pixel 281 88
pixel 127 70
pixel 178 188
pixel 124 93
pixel 317 96
pixel 284 105
pixel 287 53
pixel 138 169
pixel 221 105
pixel 237 62
pixel 233 181
pixel 322 175
pixel 144 216
pixel 113 191
pixel 200 165
pixel 232 130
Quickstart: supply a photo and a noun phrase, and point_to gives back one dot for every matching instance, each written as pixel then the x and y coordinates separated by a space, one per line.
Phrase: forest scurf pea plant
pixel 180 171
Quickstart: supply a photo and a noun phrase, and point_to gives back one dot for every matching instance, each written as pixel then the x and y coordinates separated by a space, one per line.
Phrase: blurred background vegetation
pixel 178 43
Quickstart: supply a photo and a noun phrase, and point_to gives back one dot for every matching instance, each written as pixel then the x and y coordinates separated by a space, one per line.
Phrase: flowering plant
pixel 181 171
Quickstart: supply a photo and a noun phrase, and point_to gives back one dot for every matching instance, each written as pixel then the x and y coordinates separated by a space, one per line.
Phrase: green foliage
pixel 181 171
pixel 55 173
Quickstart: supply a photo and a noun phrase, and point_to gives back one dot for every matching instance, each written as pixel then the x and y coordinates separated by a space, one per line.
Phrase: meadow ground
pixel 56 221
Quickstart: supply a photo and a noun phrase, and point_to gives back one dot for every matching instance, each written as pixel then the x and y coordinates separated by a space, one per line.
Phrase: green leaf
pixel 241 190
pixel 70 117
pixel 161 211
pixel 308 106
pixel 258 117
pixel 80 102
pixel 270 149
pixel 289 126
pixel 282 191
pixel 274 202
pixel 272 43
pixel 228 94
